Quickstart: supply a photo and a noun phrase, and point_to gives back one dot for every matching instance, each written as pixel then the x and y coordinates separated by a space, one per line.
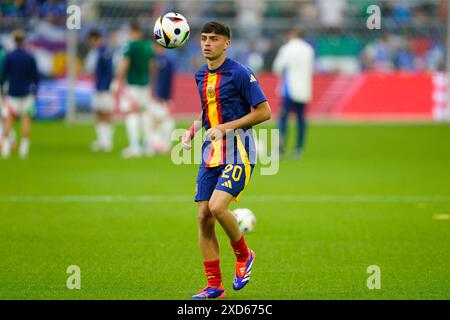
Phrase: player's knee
pixel 205 219
pixel 217 209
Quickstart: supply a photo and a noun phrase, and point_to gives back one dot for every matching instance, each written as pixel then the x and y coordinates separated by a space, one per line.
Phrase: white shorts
pixel 103 101
pixel 159 110
pixel 3 111
pixel 19 106
pixel 134 98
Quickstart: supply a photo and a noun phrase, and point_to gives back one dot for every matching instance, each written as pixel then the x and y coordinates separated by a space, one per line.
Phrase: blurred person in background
pixel 53 11
pixel 332 13
pixel 378 55
pixel 103 101
pixel 2 111
pixel 20 71
pixel 404 59
pixel 435 57
pixel 136 68
pixel 295 63
pixel 163 123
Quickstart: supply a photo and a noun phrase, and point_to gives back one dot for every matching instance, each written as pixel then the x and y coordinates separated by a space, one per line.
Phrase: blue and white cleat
pixel 243 272
pixel 210 293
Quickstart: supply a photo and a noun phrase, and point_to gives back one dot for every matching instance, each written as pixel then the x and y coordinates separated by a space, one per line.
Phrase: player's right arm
pixel 123 69
pixel 190 133
pixel 4 75
pixel 152 69
pixel 280 61
pixel 34 76
pixel 118 83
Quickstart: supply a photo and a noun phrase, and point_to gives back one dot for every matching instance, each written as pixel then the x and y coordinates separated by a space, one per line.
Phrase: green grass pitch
pixel 362 195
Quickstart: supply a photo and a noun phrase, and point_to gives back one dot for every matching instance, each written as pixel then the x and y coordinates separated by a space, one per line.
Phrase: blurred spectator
pixel 21 9
pixel 332 13
pixel 250 17
pixel 308 13
pixel 53 11
pixel 219 9
pixel 8 9
pixel 404 59
pixel 337 29
pixel 378 55
pixel 401 12
pixel 28 13
pixel 435 57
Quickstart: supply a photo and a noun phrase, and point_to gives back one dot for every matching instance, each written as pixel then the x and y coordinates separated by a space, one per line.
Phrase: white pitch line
pixel 249 198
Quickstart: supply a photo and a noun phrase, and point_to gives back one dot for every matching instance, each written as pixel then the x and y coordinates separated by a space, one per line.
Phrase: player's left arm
pixel 35 76
pixel 152 67
pixel 4 76
pixel 279 62
pixel 249 88
pixel 123 69
pixel 260 113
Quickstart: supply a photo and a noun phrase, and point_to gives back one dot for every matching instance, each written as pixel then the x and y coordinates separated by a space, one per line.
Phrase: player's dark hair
pixel 298 31
pixel 19 37
pixel 135 26
pixel 94 34
pixel 217 28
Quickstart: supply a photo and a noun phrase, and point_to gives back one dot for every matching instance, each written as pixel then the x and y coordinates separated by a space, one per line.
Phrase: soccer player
pixel 295 62
pixel 228 92
pixel 2 111
pixel 137 66
pixel 20 71
pixel 103 100
pixel 163 123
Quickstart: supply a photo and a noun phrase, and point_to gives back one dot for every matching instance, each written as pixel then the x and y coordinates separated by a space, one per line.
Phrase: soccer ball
pixel 171 30
pixel 246 219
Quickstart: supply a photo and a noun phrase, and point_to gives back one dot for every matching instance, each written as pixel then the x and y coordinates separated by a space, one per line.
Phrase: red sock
pixel 212 271
pixel 240 250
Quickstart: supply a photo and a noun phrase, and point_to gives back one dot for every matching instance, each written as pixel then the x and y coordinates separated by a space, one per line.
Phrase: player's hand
pixel 216 133
pixel 116 86
pixel 186 140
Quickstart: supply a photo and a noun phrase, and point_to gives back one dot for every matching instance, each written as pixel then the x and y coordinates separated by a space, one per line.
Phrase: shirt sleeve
pixel 5 73
pixel 151 53
pixel 279 62
pixel 249 87
pixel 35 72
pixel 127 50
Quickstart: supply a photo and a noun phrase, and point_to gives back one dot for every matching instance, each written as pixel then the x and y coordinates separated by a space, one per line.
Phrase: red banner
pixel 365 96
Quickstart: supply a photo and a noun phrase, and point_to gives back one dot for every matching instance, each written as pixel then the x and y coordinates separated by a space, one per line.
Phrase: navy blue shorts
pixel 231 178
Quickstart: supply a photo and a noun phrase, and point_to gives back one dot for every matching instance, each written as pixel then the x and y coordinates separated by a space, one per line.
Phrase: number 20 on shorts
pixel 235 174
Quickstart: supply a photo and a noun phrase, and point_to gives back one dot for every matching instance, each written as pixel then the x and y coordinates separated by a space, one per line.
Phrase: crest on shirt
pixel 210 91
